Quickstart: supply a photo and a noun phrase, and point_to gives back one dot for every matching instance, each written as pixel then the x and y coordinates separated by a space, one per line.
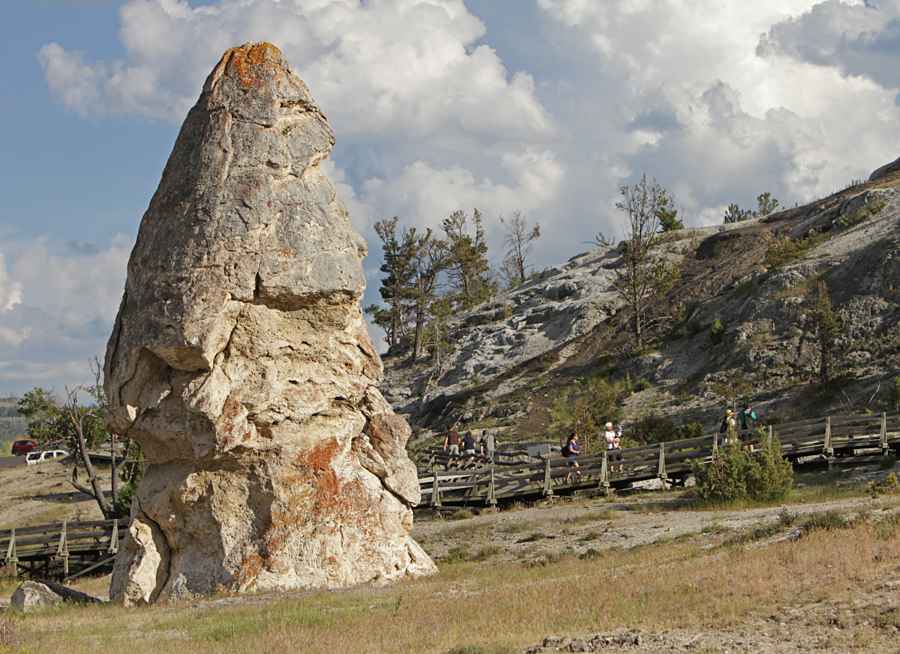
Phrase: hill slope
pixel 758 278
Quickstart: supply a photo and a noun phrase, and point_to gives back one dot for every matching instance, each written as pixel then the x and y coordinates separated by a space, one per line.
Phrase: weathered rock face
pixel 241 363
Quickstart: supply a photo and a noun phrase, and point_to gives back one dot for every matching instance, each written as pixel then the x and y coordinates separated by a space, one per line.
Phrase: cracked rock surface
pixel 241 363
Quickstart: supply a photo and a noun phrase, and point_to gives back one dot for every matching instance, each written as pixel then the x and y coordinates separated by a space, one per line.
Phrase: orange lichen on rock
pixel 326 483
pixel 251 61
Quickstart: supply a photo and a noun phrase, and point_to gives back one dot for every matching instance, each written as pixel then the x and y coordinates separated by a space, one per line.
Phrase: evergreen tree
pixel 468 266
pixel 766 204
pixel 668 214
pixel 734 214
pixel 430 259
pixel 398 269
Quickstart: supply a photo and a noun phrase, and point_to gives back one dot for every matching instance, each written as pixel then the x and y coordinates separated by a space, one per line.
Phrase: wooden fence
pixel 68 550
pixel 468 480
pixel 65 550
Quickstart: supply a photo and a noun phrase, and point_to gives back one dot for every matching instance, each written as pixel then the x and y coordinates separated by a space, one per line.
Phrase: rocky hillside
pixel 736 322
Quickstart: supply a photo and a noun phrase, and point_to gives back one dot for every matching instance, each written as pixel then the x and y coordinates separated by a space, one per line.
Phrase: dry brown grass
pixel 496 606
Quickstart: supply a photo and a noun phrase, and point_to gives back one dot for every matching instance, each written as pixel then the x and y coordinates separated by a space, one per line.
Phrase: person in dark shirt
pixel 571 450
pixel 748 419
pixel 469 444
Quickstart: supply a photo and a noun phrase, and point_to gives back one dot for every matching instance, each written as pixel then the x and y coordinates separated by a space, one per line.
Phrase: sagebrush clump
pixel 736 474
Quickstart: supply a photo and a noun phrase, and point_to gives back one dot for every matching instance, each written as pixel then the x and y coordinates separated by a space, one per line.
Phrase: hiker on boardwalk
pixel 487 440
pixel 614 446
pixel 469 444
pixel 728 428
pixel 451 442
pixel 748 420
pixel 571 450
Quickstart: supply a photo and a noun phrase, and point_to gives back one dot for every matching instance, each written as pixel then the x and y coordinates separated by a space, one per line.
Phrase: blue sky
pixel 546 106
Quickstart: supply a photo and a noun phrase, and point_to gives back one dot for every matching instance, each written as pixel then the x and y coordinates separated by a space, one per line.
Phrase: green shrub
pixel 654 428
pixel 887 486
pixel 725 478
pixel 863 213
pixel 122 501
pixel 716 331
pixel 737 475
pixel 770 475
pixel 897 393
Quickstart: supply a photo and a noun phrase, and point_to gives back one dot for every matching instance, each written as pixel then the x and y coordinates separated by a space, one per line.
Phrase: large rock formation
pixel 241 363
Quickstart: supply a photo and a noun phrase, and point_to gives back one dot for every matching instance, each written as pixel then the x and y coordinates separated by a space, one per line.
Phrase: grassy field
pixel 497 607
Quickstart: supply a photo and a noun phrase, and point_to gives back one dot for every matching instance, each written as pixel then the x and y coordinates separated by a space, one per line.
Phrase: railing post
pixel 604 473
pixel 491 495
pixel 885 448
pixel 62 550
pixel 548 480
pixel 661 468
pixel 12 558
pixel 827 449
pixel 435 487
pixel 114 538
pixel 769 437
pixel 715 450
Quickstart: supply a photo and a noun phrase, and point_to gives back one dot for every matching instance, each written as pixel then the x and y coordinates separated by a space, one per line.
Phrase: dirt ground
pixel 575 527
pixel 624 558
pixel 42 494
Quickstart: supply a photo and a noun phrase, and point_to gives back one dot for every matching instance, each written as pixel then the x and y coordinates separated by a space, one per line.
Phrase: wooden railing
pixel 465 480
pixel 64 550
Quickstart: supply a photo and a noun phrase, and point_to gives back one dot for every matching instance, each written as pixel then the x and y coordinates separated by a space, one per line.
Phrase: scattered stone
pixel 32 595
pixel 241 363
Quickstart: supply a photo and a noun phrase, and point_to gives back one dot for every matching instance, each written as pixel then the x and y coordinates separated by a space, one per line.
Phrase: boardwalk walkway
pixel 483 483
pixel 68 550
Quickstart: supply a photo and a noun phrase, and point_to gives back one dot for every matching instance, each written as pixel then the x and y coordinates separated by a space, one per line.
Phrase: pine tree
pixel 766 204
pixel 468 266
pixel 668 214
pixel 430 258
pixel 398 269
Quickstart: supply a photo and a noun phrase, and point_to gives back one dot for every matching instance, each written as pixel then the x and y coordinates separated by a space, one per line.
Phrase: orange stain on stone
pixel 251 61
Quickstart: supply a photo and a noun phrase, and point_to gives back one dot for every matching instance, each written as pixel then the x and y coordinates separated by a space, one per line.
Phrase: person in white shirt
pixel 614 445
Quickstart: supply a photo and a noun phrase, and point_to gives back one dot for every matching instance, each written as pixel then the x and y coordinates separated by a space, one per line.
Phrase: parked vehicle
pixel 33 458
pixel 23 446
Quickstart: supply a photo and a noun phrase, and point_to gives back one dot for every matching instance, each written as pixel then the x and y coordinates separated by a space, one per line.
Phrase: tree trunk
pixel 96 491
pixel 417 341
pixel 114 480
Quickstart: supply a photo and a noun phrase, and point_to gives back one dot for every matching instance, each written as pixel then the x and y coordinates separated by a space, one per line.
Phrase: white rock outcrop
pixel 241 363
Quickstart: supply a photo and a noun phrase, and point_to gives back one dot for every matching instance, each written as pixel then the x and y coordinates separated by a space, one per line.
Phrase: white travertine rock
pixel 241 363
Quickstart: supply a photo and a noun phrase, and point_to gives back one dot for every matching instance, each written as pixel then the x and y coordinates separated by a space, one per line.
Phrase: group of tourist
pixel 468 444
pixel 612 437
pixel 747 418
pixel 471 445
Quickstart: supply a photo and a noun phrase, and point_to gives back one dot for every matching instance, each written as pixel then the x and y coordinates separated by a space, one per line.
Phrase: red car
pixel 23 447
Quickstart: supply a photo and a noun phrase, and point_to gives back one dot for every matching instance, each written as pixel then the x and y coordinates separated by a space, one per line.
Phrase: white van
pixel 33 458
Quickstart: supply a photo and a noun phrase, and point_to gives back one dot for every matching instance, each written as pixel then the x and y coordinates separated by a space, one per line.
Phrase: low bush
pixel 736 475
pixel 654 428
pixel 716 331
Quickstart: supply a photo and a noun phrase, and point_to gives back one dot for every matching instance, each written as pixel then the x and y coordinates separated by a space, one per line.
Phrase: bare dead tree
pixel 519 239
pixel 77 416
pixel 636 279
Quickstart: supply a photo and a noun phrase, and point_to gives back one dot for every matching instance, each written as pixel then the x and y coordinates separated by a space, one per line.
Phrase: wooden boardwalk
pixel 479 482
pixel 68 550
pixel 62 551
